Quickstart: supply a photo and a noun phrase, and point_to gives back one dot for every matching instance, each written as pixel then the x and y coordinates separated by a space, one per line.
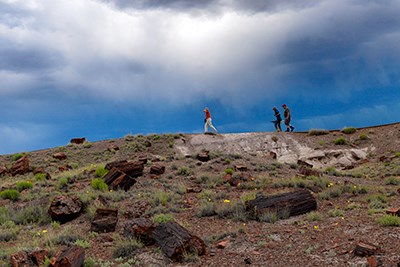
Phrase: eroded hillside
pixel 205 183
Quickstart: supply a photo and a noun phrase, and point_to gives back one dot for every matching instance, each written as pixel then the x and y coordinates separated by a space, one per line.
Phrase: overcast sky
pixel 102 69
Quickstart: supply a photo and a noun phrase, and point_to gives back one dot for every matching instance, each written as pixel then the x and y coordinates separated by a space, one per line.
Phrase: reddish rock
pixel 104 221
pixel 143 159
pixel 65 209
pixel 38 257
pixel 393 211
pixel 19 259
pixel 141 229
pixel 374 261
pixel 194 190
pixel 78 140
pixel 69 257
pixel 203 156
pixel 307 171
pixel 116 179
pixel 60 156
pixel 21 166
pixel 113 147
pixel 223 244
pixel 64 168
pixel 157 169
pixel 365 249
pixel 132 168
pixel 241 168
pixel 273 155
pixel 3 171
pixel 229 179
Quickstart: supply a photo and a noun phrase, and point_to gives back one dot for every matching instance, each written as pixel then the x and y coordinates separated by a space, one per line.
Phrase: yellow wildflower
pixel 227 200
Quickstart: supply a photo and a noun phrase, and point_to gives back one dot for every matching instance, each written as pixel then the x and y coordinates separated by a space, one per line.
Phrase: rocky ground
pixel 207 183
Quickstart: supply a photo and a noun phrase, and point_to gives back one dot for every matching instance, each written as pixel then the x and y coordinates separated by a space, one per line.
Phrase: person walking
pixel 288 117
pixel 277 122
pixel 208 121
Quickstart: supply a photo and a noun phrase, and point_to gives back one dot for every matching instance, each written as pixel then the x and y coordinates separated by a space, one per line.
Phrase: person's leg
pixel 205 126
pixel 279 126
pixel 209 121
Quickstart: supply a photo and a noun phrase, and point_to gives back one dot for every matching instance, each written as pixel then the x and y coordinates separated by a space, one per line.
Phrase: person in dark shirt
pixel 288 117
pixel 277 122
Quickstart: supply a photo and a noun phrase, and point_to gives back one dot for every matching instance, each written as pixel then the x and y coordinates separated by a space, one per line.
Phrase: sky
pixel 102 69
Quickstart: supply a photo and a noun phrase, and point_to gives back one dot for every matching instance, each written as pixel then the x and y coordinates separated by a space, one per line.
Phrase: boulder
pixel 157 169
pixel 104 221
pixel 60 156
pixel 203 156
pixel 21 166
pixel 38 257
pixel 113 148
pixel 42 170
pixel 64 208
pixel 19 259
pixel 70 257
pixel 116 179
pixel 3 171
pixel 78 140
pixel 141 229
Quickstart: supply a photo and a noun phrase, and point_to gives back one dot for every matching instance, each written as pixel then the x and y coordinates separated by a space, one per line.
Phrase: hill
pixel 208 184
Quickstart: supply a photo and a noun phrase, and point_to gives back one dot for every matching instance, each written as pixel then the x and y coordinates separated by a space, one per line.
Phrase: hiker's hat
pixel 206 108
pixel 284 105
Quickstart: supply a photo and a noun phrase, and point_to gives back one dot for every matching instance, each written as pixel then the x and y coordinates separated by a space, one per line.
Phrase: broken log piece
pixel 64 208
pixel 393 211
pixel 70 257
pixel 365 249
pixel 141 229
pixel 175 241
pixel 60 156
pixel 116 179
pixel 132 168
pixel 21 166
pixel 285 204
pixel 203 156
pixel 104 221
pixel 157 169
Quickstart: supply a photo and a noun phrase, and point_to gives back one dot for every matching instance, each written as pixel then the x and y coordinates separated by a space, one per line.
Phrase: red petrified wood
pixel 70 257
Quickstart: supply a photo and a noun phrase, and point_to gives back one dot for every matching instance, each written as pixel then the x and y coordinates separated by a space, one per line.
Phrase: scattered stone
pixel 64 168
pixel 141 229
pixel 3 171
pixel 143 159
pixel 247 261
pixel 193 190
pixel 365 249
pixel 21 166
pixel 104 221
pixel 273 155
pixel 38 257
pixel 306 171
pixel 60 156
pixel 19 259
pixel 78 141
pixel 70 257
pixel 116 179
pixel 113 148
pixel 223 244
pixel 157 169
pixel 374 261
pixel 241 168
pixel 203 156
pixel 137 209
pixel 393 211
pixel 64 208
pixel 176 241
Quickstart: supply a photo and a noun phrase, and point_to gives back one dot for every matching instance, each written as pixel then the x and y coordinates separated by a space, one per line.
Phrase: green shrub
pixel 62 182
pixel 17 156
pixel 99 184
pixel 163 218
pixel 31 214
pixel 335 213
pixel 229 171
pixel 101 172
pixel 340 141
pixel 269 217
pixel 40 177
pixel 10 194
pixel 23 185
pixel 184 171
pixel 247 197
pixel 392 180
pixel 82 243
pixel 205 208
pixel 363 136
pixel 349 130
pixel 8 235
pixel 389 220
pixel 127 249
pixel 314 216
pixel 397 154
pixel 316 132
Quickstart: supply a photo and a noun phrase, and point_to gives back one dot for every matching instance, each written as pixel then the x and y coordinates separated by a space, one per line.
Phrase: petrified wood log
pixel 203 156
pixel 78 140
pixel 114 164
pixel 19 259
pixel 157 169
pixel 285 204
pixel 21 166
pixel 65 209
pixel 365 249
pixel 140 228
pixel 3 171
pixel 60 156
pixel 116 179
pixel 132 168
pixel 105 220
pixel 70 257
pixel 175 241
